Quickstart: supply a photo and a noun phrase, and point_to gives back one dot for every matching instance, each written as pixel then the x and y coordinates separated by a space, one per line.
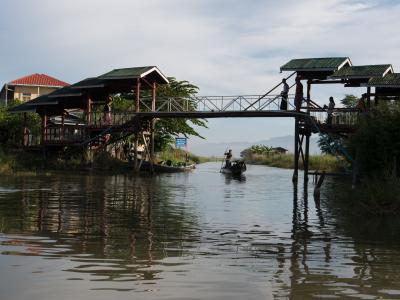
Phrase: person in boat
pixel 228 157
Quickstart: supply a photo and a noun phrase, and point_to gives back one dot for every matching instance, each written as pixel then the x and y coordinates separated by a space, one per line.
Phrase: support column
pixel 89 109
pixel 63 126
pixel 306 157
pixel 369 97
pixel 296 151
pixel 25 139
pixel 308 94
pixel 6 101
pixel 153 123
pixel 44 126
pixel 137 109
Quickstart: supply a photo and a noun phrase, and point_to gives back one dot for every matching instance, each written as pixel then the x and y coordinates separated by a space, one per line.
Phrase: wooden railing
pixel 340 116
pixel 57 135
pixel 101 120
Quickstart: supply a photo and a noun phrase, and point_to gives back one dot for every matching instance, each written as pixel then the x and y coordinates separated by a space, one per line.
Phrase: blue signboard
pixel 180 142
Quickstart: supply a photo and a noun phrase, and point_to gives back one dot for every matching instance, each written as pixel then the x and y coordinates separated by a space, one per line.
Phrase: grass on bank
pixel 377 196
pixel 177 156
pixel 22 161
pixel 327 163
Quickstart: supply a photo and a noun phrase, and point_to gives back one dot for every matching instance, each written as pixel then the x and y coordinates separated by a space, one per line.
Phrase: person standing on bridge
pixel 331 107
pixel 284 95
pixel 298 97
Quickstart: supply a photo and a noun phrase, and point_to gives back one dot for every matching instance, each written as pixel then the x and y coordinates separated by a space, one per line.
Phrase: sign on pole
pixel 180 142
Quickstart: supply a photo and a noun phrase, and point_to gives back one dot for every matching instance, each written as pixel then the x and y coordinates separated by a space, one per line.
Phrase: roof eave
pixel 309 70
pixel 158 72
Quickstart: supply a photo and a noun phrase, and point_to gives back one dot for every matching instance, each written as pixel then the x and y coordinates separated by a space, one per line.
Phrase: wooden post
pixel 369 97
pixel 308 95
pixel 306 158
pixel 89 109
pixel 62 126
pixel 44 126
pixel 296 151
pixel 137 109
pixel 137 102
pixel 153 124
pixel 25 140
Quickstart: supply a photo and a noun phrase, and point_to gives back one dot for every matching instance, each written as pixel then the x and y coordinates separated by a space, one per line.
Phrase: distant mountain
pixel 218 149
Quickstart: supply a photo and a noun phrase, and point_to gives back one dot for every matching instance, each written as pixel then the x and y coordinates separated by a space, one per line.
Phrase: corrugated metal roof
pixel 22 108
pixel 316 64
pixel 39 80
pixel 390 80
pixel 367 71
pixel 92 82
pixel 130 73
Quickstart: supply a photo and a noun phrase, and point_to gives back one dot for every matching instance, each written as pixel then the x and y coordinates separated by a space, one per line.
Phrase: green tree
pixel 349 101
pixel 12 127
pixel 167 129
pixel 377 141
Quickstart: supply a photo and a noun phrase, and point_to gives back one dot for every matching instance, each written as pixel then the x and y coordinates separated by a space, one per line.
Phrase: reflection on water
pixel 202 235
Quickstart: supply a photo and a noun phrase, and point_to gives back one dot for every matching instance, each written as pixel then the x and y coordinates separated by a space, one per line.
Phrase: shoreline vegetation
pixel 324 162
pixel 33 162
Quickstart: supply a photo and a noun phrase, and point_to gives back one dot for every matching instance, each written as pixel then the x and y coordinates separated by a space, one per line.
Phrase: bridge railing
pixel 340 116
pixel 217 103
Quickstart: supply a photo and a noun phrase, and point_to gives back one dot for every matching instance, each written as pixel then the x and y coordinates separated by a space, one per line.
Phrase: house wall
pixel 34 91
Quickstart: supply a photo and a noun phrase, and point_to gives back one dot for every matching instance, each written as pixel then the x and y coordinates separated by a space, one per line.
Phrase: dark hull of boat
pixel 234 169
pixel 165 168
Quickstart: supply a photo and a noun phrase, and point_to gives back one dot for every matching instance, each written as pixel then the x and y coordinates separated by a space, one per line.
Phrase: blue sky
pixel 224 46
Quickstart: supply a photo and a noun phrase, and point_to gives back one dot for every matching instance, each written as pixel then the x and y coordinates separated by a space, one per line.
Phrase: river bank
pixel 31 162
pixel 327 163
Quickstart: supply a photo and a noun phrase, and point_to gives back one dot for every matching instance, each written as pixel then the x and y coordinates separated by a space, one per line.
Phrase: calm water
pixel 189 236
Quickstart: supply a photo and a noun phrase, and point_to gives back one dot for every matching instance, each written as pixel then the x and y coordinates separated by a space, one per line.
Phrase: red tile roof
pixel 39 80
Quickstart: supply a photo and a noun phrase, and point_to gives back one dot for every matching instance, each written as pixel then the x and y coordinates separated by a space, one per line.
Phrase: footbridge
pixel 74 115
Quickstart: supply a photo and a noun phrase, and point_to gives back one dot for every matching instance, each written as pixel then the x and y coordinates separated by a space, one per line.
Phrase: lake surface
pixel 200 235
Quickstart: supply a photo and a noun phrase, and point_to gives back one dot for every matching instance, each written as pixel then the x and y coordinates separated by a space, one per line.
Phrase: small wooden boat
pixel 166 168
pixel 236 167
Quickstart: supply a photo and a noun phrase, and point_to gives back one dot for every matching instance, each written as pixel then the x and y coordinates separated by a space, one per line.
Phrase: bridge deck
pixel 223 114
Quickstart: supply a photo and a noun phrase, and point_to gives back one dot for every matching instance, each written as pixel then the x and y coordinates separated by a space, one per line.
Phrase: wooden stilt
pixel 137 109
pixel 152 126
pixel 306 158
pixel 296 151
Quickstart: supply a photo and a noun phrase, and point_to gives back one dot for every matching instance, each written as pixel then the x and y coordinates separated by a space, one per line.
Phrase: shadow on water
pixel 342 256
pixel 238 178
pixel 109 232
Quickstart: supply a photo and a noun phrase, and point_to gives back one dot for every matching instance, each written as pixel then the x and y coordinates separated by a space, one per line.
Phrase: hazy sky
pixel 223 46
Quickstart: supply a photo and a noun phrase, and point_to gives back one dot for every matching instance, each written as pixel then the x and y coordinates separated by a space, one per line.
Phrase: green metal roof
pixel 367 71
pixel 390 80
pixel 316 64
pixel 137 72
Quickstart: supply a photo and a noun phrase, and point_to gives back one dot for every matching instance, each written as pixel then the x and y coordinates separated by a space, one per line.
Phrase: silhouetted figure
pixel 284 95
pixel 107 111
pixel 298 97
pixel 331 107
